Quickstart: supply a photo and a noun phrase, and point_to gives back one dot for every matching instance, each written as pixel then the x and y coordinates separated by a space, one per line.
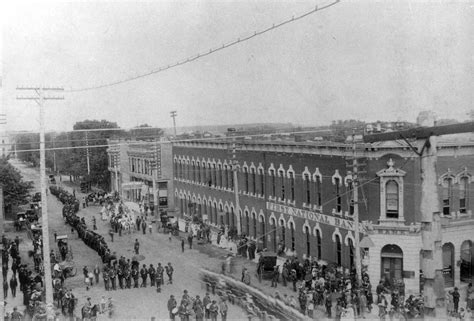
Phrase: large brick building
pixel 300 195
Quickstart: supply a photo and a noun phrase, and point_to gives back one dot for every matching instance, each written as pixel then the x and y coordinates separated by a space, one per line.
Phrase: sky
pixel 367 60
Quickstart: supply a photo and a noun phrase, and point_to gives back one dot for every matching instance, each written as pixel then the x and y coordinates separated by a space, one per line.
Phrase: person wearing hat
pixel 15 315
pixel 171 306
pixel 186 297
pixel 198 309
pixel 213 310
pixel 223 308
pixel 102 304
pixel 169 271
pixel 207 303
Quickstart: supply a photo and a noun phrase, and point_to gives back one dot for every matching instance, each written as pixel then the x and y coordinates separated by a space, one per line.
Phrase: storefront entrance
pixel 467 262
pixel 391 263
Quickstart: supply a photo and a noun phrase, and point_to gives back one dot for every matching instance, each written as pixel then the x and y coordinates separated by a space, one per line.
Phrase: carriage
pixel 65 251
pixel 266 264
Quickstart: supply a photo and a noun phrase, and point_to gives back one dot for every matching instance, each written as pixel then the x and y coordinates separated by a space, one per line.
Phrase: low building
pixel 299 196
pixel 142 171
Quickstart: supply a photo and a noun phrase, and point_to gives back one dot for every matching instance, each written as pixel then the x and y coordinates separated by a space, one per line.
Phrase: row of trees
pixel 15 190
pixel 67 152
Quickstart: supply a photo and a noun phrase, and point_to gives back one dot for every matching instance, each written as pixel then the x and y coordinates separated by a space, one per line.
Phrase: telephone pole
pixel 173 114
pixel 39 97
pixel 87 155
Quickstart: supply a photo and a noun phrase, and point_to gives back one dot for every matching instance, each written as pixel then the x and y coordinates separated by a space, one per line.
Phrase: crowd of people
pixel 200 309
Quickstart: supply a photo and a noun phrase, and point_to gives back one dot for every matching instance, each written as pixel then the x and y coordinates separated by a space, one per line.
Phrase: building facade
pixel 299 196
pixel 142 171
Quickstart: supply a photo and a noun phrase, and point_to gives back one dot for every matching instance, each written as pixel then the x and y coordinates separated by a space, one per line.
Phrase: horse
pixel 90 313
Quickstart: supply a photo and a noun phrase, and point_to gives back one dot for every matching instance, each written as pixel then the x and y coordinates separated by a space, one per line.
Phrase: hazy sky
pixel 368 60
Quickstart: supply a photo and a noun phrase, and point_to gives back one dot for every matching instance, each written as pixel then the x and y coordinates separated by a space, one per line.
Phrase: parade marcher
pixel 135 276
pixel 206 301
pixel 13 285
pixel 159 273
pixel 171 306
pixel 144 274
pixel 223 309
pixel 213 310
pixel 96 273
pixel 152 274
pixel 102 304
pixel 275 276
pixel 182 244
pixel 113 277
pixel 16 315
pixel 5 288
pixel 105 277
pixel 198 309
pixel 169 271
pixel 137 247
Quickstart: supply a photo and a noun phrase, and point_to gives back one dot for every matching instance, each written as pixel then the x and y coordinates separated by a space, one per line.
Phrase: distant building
pixel 142 171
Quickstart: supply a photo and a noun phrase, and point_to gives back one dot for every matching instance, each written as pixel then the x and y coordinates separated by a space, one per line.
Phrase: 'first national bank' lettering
pixel 312 216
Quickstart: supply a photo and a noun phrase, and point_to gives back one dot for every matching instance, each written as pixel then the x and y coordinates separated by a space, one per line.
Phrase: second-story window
pixel 219 175
pixel 337 181
pixel 198 172
pixel 261 173
pixel 307 189
pixel 282 184
pixel 254 181
pixel 246 179
pixel 447 195
pixel 391 199
pixel 291 179
pixel 194 171
pixel 463 194
pixel 273 183
pixel 318 187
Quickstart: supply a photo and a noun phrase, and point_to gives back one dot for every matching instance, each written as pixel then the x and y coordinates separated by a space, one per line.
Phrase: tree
pixel 15 190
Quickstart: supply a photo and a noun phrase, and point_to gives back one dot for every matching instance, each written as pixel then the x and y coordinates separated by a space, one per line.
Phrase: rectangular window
pixel 391 199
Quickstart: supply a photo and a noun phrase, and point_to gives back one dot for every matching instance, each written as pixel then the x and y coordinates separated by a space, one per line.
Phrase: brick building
pixel 300 195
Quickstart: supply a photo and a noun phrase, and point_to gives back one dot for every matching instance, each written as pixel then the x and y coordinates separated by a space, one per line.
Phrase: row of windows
pixel 140 165
pixel 253 181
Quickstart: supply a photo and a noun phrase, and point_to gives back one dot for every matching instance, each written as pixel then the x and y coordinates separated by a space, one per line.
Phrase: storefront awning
pixel 366 242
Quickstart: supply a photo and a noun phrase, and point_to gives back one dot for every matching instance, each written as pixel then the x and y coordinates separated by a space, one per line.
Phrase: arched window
pixel 262 234
pixel 447 195
pixel 338 250
pixel 463 194
pixel 215 213
pixel 467 262
pixel 246 179
pixel 318 244
pixel 219 175
pixel 307 187
pixel 282 184
pixel 194 171
pixel 283 233
pixel 273 183
pixel 391 195
pixel 351 254
pixel 337 183
pixel 254 216
pixel 318 190
pixel 291 179
pixel 274 234
pixel 293 240
pixel 247 223
pixel 261 173
pixel 254 181
pixel 198 172
pixel 308 242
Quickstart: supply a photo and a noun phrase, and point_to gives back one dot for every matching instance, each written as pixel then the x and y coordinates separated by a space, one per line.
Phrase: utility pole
pixel 39 97
pixel 173 114
pixel 54 155
pixel 87 155
pixel 235 165
pixel 355 201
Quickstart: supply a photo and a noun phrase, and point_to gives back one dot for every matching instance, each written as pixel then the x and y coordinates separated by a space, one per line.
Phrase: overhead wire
pixel 206 53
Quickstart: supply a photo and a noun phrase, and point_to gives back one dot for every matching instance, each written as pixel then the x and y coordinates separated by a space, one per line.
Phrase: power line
pixel 207 53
